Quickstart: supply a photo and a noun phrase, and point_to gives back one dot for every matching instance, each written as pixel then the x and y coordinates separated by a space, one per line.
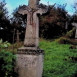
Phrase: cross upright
pixel 32 27
pixel 75 24
pixel 33 4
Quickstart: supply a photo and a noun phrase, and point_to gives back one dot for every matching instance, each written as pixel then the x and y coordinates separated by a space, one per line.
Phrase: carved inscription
pixel 27 61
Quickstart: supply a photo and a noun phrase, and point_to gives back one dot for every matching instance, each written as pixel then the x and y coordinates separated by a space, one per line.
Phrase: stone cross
pixel 29 62
pixel 32 28
pixel 18 38
pixel 66 26
pixel 75 24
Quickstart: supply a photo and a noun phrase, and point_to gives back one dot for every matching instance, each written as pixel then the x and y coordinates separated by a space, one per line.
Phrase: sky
pixel 12 4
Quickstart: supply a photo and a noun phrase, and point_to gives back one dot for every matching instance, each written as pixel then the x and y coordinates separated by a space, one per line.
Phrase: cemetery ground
pixel 59 59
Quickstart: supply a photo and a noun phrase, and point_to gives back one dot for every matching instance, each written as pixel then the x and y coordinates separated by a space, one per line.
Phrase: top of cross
pixel 33 3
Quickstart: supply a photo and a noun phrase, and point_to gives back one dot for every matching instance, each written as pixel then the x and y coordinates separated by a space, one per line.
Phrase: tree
pixel 19 22
pixel 52 23
pixel 4 22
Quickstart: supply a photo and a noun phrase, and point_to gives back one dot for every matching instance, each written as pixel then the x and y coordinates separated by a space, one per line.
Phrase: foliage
pixel 4 44
pixel 52 24
pixel 7 60
pixel 7 63
pixel 5 26
pixel 59 60
pixel 68 38
pixel 9 26
pixel 64 40
pixel 71 33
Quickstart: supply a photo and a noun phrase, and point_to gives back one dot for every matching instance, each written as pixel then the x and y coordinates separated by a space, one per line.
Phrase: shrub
pixel 7 63
pixel 4 44
pixel 71 33
pixel 67 39
pixel 64 40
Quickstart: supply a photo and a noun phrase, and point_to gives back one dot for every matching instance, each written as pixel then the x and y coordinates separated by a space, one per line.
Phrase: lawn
pixel 59 59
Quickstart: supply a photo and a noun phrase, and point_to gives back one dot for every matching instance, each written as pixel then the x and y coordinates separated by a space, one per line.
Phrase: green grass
pixel 59 60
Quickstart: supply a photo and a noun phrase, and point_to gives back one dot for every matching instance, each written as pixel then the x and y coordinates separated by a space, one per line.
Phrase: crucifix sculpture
pixel 30 57
pixel 32 28
pixel 33 4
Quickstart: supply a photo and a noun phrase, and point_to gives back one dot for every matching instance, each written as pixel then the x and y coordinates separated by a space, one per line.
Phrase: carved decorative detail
pixel 30 51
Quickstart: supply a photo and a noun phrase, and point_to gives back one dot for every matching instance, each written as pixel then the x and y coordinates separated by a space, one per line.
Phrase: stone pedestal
pixel 29 62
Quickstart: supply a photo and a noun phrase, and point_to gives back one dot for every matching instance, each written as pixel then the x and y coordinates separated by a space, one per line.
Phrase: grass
pixel 59 60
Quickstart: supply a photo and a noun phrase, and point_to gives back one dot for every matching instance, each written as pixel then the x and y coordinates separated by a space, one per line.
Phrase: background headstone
pixel 75 24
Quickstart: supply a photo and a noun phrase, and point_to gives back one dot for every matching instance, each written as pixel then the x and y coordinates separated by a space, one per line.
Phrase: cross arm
pixel 42 11
pixel 23 12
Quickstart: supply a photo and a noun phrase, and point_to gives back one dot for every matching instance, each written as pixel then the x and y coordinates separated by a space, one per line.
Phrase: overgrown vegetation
pixel 7 64
pixel 59 59
pixel 7 60
pixel 68 38
pixel 4 44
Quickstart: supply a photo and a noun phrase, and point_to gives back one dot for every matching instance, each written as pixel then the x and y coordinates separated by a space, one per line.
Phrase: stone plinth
pixel 29 62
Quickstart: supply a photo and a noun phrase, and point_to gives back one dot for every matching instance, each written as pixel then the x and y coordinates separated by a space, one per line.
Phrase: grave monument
pixel 75 24
pixel 18 38
pixel 29 61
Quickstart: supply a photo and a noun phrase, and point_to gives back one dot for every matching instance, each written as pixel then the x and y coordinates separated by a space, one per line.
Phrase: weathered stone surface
pixel 32 28
pixel 29 65
pixel 33 4
pixel 30 58
pixel 30 51
pixel 31 37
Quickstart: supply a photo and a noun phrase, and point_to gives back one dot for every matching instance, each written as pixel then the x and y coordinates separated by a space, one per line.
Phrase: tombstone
pixel 66 26
pixel 18 38
pixel 14 35
pixel 29 61
pixel 75 24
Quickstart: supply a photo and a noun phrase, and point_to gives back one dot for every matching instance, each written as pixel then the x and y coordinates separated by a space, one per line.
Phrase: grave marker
pixel 30 57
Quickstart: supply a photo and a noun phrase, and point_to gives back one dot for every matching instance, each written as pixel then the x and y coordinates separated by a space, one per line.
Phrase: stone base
pixel 29 62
